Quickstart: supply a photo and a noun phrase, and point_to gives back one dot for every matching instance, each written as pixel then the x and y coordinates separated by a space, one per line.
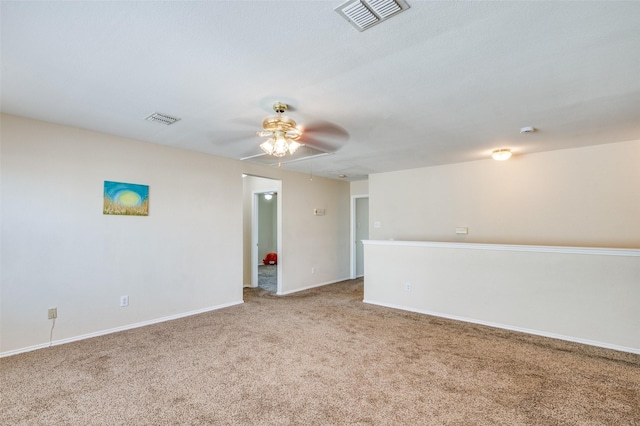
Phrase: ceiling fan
pixel 282 132
pixel 286 138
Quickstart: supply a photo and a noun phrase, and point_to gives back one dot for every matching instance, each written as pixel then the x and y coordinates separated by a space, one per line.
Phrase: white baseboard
pixel 311 286
pixel 117 329
pixel 508 327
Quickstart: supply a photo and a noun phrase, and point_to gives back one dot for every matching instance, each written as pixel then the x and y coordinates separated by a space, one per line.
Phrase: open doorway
pixel 265 232
pixel 359 232
pixel 262 235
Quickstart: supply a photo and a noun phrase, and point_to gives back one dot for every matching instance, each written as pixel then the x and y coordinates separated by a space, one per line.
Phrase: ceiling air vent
pixel 364 14
pixel 165 119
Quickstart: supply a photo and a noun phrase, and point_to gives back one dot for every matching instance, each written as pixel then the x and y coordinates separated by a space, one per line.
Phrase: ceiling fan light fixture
pixel 280 141
pixel 293 147
pixel 267 146
pixel 282 131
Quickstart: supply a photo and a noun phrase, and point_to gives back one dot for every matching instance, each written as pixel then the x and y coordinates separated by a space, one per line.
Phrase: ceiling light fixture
pixel 282 133
pixel 501 154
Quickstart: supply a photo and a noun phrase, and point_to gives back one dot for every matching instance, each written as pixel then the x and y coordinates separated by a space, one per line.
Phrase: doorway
pixel 359 232
pixel 266 231
pixel 262 232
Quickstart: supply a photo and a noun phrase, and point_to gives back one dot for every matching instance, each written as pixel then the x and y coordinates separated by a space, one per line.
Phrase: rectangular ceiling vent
pixel 165 119
pixel 364 14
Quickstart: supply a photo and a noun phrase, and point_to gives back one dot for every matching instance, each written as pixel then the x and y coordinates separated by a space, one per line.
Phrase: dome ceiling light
pixel 501 154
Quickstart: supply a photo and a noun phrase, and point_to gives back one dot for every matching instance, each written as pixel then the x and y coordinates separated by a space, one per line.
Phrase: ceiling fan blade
pixel 322 128
pixel 325 136
pixel 323 145
pixel 246 132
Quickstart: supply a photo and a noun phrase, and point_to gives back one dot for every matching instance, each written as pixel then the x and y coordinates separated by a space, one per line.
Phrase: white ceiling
pixel 443 82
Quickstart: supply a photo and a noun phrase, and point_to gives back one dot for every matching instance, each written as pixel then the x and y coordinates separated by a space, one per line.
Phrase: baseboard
pixel 312 286
pixel 117 329
pixel 508 327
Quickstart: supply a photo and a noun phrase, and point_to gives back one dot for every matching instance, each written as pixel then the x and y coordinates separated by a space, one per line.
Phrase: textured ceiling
pixel 443 82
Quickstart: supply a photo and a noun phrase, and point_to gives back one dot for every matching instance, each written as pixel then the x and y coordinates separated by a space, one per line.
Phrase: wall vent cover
pixel 364 14
pixel 165 119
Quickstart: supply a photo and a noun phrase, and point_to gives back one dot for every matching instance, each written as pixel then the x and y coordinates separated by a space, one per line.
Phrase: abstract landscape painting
pixel 126 199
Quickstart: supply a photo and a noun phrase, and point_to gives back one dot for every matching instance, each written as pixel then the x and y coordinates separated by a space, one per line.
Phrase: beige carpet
pixel 319 357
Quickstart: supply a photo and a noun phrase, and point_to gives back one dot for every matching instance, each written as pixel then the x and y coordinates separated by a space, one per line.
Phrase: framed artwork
pixel 126 199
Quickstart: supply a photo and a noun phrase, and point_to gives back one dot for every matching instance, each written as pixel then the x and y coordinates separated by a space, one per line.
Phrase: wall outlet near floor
pixel 53 313
pixel 313 269
pixel 407 286
pixel 124 301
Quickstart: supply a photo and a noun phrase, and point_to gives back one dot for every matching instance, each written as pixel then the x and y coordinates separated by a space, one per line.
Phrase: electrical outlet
pixel 313 269
pixel 407 286
pixel 124 301
pixel 53 313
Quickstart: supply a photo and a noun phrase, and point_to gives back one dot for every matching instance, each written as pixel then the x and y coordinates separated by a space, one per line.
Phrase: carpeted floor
pixel 319 357
pixel 268 277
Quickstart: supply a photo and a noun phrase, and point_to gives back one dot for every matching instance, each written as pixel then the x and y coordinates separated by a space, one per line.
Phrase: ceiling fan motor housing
pixel 280 123
pixel 279 107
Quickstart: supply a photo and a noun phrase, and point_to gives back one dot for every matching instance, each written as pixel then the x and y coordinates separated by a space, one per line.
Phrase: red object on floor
pixel 270 259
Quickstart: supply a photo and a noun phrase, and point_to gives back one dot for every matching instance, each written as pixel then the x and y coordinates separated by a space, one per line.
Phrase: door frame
pixel 255 226
pixel 353 234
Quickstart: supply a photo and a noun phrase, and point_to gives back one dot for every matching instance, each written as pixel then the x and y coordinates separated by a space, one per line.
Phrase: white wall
pixel 59 250
pixel 359 187
pixel 584 295
pixel 586 197
pixel 318 242
pixel 575 197
pixel 309 242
